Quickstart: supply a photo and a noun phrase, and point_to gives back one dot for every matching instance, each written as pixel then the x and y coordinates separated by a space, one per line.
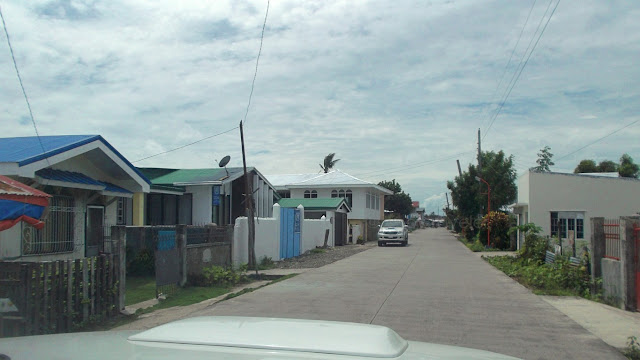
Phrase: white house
pixel 563 203
pixel 365 199
pixel 92 186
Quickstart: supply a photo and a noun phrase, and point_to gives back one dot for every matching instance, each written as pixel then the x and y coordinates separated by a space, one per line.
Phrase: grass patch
pixel 248 290
pixel 559 278
pixel 187 296
pixel 475 246
pixel 318 251
pixel 139 289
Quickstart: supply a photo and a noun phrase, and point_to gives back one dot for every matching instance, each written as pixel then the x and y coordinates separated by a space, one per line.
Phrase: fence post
pixel 597 246
pixel 181 244
pixel 628 249
pixel 119 236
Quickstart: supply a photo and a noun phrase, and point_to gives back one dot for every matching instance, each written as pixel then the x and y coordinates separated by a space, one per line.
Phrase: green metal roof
pixel 167 188
pixel 196 175
pixel 152 173
pixel 315 204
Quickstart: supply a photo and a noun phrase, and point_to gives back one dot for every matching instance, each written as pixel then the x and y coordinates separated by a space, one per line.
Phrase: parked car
pixel 393 231
pixel 246 338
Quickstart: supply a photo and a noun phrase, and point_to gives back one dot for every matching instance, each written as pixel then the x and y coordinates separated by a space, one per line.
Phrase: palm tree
pixel 329 163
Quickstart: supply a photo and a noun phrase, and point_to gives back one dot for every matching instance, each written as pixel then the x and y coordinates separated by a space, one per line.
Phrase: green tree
pixel 329 162
pixel 607 166
pixel 399 202
pixel 627 167
pixel 586 166
pixel 470 196
pixel 544 160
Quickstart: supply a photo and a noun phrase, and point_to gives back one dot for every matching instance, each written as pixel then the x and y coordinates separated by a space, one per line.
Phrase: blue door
pixel 289 232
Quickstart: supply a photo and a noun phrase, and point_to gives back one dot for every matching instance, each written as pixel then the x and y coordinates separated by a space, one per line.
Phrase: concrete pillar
pixel 276 217
pixel 628 249
pixel 270 201
pixel 181 244
pixel 597 246
pixel 119 246
pixel 138 209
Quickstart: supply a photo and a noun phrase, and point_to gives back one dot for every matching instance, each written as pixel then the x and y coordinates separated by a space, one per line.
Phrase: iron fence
pixel 612 238
pixel 57 234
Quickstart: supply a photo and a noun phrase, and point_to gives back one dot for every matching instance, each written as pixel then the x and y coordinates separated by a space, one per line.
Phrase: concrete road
pixel 434 290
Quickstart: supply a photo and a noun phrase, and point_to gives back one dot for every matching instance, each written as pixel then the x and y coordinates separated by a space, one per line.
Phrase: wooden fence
pixel 58 296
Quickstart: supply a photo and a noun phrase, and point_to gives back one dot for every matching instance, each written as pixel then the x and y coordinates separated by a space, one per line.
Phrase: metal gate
pixel 341 229
pixel 94 230
pixel 289 232
pixel 167 262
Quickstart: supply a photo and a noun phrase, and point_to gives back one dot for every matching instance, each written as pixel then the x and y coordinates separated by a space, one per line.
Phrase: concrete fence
pixel 616 270
pixel 312 233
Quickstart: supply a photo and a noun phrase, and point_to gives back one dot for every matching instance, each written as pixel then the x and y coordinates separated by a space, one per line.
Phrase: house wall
pixel 202 200
pixel 595 196
pixel 359 208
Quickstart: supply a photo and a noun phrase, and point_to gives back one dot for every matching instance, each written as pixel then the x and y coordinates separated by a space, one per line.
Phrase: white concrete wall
pixel 202 200
pixel 595 196
pixel 268 236
pixel 10 243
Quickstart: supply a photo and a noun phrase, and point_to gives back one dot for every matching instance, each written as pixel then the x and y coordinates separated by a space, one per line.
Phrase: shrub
pixel 266 263
pixel 499 224
pixel 217 275
pixel 141 264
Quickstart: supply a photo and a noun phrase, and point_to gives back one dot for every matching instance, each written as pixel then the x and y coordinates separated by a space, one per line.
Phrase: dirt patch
pixel 321 257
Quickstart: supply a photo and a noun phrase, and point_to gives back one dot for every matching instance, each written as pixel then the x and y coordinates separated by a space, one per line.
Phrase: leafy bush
pixel 498 223
pixel 141 264
pixel 266 263
pixel 217 275
pixel 632 350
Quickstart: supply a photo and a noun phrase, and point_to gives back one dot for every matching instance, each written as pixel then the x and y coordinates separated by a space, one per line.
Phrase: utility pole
pixel 248 205
pixel 447 195
pixel 459 169
pixel 479 153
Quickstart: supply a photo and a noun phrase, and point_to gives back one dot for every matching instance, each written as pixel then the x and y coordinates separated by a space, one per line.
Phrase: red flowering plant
pixel 498 223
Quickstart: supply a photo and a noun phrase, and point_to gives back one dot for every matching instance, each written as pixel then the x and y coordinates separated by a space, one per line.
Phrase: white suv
pixel 393 231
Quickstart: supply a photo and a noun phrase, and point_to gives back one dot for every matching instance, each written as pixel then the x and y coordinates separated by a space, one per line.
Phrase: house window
pixel 579 228
pixel 122 211
pixel 341 193
pixel 334 193
pixel 554 223
pixel 314 194
pixel 349 196
pixel 57 234
pixel 368 201
pixel 307 194
pixel 377 202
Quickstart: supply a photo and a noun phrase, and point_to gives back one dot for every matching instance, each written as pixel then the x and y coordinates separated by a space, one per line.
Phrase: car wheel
pixel 405 243
pixel 380 243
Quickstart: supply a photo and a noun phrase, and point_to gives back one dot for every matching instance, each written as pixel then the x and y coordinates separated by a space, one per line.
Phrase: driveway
pixel 434 290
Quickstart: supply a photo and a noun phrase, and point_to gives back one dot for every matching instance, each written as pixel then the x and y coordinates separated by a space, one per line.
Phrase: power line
pixel 522 68
pixel 189 144
pixel 511 56
pixel 24 93
pixel 407 167
pixel 597 140
pixel 255 74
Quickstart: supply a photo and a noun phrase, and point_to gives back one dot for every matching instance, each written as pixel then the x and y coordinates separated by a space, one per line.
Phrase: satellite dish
pixel 224 161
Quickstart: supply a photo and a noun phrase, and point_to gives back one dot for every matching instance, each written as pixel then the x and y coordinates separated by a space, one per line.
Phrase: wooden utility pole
pixel 479 153
pixel 248 205
pixel 459 169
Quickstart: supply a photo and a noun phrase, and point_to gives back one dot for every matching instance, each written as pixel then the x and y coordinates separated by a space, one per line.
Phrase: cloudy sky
pixel 396 89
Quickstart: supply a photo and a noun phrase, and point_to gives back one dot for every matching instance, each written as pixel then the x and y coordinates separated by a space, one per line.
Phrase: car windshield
pixel 395 223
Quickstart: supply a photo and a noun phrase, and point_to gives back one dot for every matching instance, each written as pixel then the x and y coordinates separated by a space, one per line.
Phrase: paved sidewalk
pixel 612 325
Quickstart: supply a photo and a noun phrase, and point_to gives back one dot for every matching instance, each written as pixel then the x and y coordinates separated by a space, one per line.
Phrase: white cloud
pixel 384 85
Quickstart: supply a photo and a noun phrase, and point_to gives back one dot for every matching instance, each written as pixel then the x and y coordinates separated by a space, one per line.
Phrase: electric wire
pixel 189 144
pixel 24 92
pixel 504 72
pixel 597 140
pixel 397 169
pixel 255 74
pixel 515 81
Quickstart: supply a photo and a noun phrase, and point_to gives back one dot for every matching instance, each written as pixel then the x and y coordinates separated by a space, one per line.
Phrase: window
pixel 554 223
pixel 341 193
pixel 307 194
pixel 314 194
pixel 122 211
pixel 349 196
pixel 377 202
pixel 57 234
pixel 579 228
pixel 334 193
pixel 368 201
pixel 571 226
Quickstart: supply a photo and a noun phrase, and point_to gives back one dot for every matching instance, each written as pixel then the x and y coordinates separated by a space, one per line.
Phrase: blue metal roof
pixel 26 150
pixel 78 178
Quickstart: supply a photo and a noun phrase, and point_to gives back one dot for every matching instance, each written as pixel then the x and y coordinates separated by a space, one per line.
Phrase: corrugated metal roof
pixel 8 186
pixel 314 204
pixel 152 173
pixel 27 150
pixel 78 178
pixel 184 176
pixel 332 178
